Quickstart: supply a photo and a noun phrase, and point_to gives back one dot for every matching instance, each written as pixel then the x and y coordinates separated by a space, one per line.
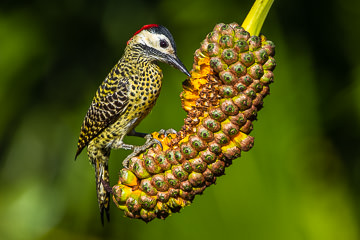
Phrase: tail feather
pixel 102 179
pixel 99 158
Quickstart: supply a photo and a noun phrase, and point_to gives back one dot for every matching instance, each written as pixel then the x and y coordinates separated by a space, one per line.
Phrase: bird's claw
pixel 150 141
pixel 163 132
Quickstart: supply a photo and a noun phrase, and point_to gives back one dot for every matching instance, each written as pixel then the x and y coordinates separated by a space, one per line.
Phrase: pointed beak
pixel 176 63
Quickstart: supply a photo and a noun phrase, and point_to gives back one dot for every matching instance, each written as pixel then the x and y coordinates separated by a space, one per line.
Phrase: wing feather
pixel 110 101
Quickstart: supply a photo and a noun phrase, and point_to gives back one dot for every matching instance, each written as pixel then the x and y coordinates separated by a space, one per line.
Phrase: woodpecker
pixel 124 98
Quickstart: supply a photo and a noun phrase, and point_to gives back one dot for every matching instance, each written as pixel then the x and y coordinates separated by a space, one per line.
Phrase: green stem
pixel 256 17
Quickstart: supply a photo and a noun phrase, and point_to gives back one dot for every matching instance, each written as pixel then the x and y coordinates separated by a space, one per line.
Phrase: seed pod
pixel 172 180
pixel 174 204
pixel 187 150
pixel 217 168
pixel 251 113
pixel 257 86
pixel 174 192
pixel 231 152
pixel 121 193
pixel 147 216
pixel 247 58
pixel 247 128
pixel 258 101
pixel 170 157
pixel 229 56
pixel 269 46
pixel 129 214
pixel 186 165
pixel 221 138
pixel 198 165
pixel 179 173
pixel 226 29
pixel 242 101
pixel 213 37
pixel 205 134
pixel 247 143
pixel 254 43
pixel 246 80
pixel 217 64
pixel 228 77
pixel 270 64
pixel 151 165
pixel 226 41
pixel 159 182
pixel 218 27
pixel 229 107
pixel 163 196
pixel 147 187
pixel 203 48
pixel 250 92
pixel 239 119
pixel 163 211
pixel 209 176
pixel 187 196
pixel 261 56
pixel 241 34
pixel 240 87
pixel 127 177
pixel 265 91
pixel 132 203
pixel 185 186
pixel 241 46
pixel 139 169
pixel 267 78
pixel 211 124
pixel 229 128
pixel 216 113
pixel 196 179
pixel 214 147
pixel 147 202
pixel 255 71
pixel 208 156
pixel 178 155
pixel 197 143
pixel 213 49
pixel 162 162
pixel 234 25
pixel 199 190
pixel 238 69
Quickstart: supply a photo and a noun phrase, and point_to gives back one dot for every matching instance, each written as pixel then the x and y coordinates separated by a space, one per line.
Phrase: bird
pixel 124 98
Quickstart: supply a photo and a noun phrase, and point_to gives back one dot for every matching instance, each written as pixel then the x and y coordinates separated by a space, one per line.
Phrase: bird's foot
pixel 150 141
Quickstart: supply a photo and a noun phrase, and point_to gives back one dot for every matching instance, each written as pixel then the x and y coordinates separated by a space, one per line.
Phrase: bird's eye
pixel 163 43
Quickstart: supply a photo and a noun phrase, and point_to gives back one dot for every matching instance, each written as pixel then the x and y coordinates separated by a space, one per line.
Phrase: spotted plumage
pixel 125 97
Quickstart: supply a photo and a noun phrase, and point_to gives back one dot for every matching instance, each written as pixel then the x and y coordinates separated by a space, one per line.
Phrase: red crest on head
pixel 143 28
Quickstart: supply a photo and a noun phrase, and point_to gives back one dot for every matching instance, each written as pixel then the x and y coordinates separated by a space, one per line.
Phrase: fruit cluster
pixel 229 80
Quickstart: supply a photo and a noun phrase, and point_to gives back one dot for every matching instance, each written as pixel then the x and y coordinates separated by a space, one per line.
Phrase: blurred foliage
pixel 300 181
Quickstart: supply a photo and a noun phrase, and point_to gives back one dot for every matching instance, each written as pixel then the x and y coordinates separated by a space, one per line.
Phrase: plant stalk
pixel 256 17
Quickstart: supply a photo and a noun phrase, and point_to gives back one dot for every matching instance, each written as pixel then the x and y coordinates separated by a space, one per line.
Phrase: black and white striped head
pixel 158 44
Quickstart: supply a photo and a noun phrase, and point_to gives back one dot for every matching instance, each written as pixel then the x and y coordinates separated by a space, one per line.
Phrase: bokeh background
pixel 300 181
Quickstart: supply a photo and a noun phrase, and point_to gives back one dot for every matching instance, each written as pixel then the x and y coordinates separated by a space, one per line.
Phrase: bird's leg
pixel 149 138
pixel 138 149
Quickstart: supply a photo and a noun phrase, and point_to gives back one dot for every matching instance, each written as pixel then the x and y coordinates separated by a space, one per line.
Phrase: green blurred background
pixel 300 181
